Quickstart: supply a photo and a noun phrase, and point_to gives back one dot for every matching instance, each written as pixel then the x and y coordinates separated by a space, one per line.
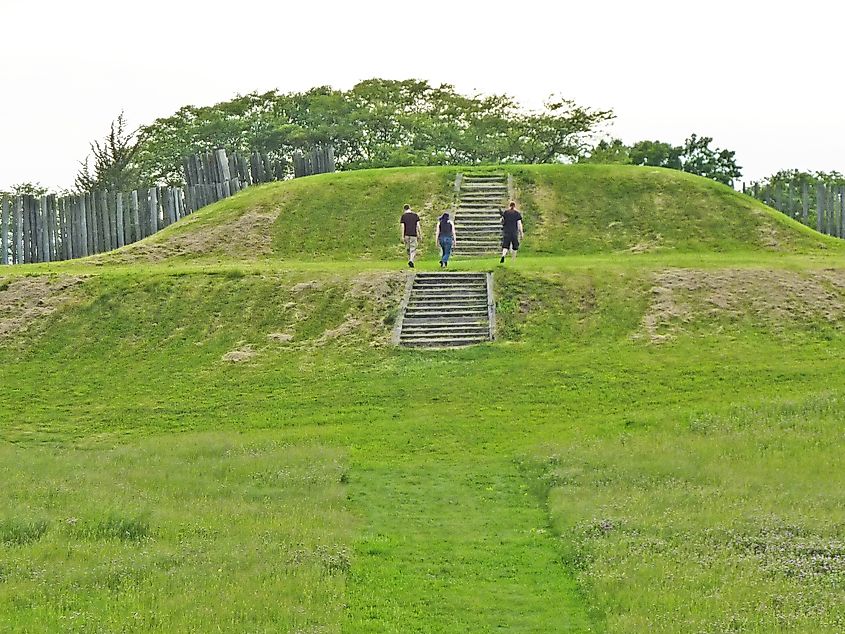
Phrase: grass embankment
pixel 646 447
pixel 569 210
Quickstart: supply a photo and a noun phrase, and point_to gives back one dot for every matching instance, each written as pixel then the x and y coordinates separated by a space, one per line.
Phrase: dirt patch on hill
pixel 247 236
pixel 27 299
pixel 770 298
pixel 240 355
pixel 374 298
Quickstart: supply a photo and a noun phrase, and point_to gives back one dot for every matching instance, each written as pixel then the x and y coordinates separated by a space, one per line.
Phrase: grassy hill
pixel 208 431
pixel 569 209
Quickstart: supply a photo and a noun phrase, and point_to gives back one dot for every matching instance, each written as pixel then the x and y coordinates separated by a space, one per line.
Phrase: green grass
pixel 600 208
pixel 652 443
pixel 188 532
pixel 356 214
pixel 721 522
pixel 568 209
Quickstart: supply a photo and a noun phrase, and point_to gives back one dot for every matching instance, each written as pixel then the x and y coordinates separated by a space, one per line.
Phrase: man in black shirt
pixel 511 231
pixel 411 233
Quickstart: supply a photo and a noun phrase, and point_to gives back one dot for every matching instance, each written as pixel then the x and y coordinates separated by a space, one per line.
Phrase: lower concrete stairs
pixel 478 223
pixel 446 310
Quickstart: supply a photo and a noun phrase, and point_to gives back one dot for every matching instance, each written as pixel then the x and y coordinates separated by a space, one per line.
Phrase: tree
pixel 694 156
pixel 113 167
pixel 609 153
pixel 377 123
pixel 699 158
pixel 657 154
pixel 27 189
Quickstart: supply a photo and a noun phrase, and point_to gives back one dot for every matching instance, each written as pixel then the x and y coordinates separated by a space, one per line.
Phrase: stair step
pixel 444 321
pixel 450 308
pixel 440 288
pixel 441 339
pixel 477 331
pixel 447 307
pixel 445 326
pixel 438 312
pixel 454 299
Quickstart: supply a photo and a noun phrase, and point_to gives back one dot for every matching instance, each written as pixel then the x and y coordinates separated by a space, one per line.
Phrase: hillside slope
pixel 217 436
pixel 569 209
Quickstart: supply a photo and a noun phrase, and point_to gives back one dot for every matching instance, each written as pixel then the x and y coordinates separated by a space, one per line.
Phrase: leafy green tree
pixel 113 161
pixel 699 158
pixel 26 189
pixel 695 156
pixel 609 152
pixel 657 154
pixel 377 123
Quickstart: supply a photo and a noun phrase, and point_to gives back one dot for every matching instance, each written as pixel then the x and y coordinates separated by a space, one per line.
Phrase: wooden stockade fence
pixel 820 206
pixel 318 161
pixel 52 228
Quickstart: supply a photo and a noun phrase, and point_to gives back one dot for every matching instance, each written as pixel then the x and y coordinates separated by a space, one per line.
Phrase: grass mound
pixel 569 209
pixel 651 444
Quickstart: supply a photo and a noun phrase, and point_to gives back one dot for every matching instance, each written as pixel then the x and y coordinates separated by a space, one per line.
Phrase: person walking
pixel 410 232
pixel 445 238
pixel 512 232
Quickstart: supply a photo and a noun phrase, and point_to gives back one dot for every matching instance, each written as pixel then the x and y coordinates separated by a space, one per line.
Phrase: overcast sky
pixel 762 78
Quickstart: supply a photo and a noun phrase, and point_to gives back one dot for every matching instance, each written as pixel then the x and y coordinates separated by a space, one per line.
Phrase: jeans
pixel 446 246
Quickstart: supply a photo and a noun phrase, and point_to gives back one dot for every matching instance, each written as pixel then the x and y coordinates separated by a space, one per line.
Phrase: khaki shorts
pixel 411 247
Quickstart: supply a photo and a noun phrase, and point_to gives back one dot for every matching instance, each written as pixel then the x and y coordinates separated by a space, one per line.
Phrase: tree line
pixel 377 123
pixel 387 123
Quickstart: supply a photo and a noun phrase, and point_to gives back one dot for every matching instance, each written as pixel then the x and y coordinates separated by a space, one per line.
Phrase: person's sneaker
pixel 445 265
pixel 411 263
pixel 502 260
pixel 441 264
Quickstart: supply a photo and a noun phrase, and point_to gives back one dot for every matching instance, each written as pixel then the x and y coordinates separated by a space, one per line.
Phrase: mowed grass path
pixel 604 466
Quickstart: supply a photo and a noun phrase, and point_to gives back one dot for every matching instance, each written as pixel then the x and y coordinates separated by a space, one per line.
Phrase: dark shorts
pixel 510 241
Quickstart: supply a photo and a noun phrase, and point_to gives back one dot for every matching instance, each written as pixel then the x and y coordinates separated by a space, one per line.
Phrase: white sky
pixel 762 78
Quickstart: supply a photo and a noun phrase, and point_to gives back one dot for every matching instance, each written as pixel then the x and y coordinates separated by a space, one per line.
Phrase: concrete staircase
pixel 445 310
pixel 478 224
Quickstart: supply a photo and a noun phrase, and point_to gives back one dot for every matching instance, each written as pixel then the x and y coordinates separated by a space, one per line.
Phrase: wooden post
pixel 108 231
pixel 223 164
pixel 17 230
pixel 332 166
pixel 23 227
pixel 153 210
pixel 43 231
pixel 95 228
pixel 171 205
pixel 84 239
pixel 127 220
pixel 233 165
pixel 842 212
pixel 57 227
pixel 24 224
pixel 118 216
pixel 70 220
pixel 805 200
pixel 4 231
pixel 831 211
pixel 50 228
pixel 62 220
pixel 34 229
pixel 788 200
pixel 136 219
